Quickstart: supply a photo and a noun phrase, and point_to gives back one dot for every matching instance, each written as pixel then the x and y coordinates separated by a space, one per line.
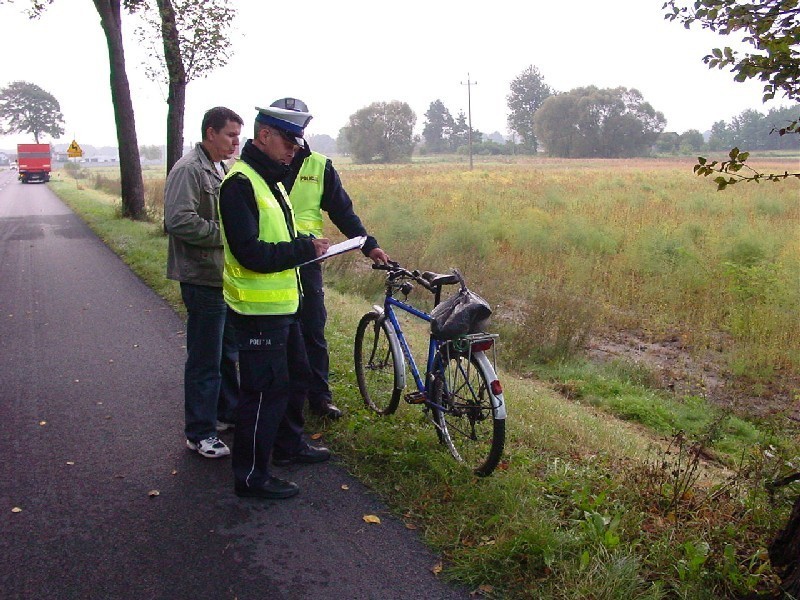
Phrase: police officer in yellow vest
pixel 314 186
pixel 261 286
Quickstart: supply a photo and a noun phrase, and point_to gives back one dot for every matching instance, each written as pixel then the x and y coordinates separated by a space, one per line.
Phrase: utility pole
pixel 469 115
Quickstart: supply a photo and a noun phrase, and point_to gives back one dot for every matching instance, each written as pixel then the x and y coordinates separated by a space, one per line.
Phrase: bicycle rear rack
pixel 465 344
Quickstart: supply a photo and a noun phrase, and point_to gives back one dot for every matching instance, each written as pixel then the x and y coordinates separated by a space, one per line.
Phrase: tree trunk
pixel 784 553
pixel 130 166
pixel 176 100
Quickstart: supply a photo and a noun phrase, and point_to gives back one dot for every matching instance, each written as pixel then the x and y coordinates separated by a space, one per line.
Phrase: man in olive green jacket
pixel 195 259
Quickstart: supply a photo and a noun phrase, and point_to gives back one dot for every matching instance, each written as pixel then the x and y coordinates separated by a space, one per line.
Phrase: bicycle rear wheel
pixel 469 422
pixel 375 365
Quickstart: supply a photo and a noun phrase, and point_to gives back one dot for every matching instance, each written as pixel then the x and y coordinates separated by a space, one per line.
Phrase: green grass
pixel 627 392
pixel 598 495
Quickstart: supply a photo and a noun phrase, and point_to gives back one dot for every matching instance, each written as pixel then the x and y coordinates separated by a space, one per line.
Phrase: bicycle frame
pixel 400 340
pixel 401 348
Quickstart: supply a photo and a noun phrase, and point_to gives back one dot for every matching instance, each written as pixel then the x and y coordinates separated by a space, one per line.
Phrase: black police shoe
pixel 328 411
pixel 306 456
pixel 272 489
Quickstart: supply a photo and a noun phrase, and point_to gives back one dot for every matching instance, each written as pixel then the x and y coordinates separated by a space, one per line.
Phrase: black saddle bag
pixel 462 313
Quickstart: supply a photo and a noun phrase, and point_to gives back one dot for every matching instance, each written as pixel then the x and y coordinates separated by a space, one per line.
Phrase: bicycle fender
pixel 397 350
pixel 498 402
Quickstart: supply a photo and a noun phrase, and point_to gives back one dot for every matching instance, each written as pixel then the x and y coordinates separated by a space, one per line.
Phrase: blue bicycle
pixel 459 391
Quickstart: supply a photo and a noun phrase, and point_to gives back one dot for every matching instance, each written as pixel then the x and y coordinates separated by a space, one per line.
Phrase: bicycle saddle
pixel 437 279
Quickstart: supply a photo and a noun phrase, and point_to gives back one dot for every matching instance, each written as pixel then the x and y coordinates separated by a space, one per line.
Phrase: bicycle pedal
pixel 416 397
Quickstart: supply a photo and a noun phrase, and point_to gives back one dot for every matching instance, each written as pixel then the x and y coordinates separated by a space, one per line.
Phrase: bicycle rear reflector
pixel 482 345
pixel 496 388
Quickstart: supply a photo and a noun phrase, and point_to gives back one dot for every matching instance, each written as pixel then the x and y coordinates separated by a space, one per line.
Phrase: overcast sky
pixel 341 56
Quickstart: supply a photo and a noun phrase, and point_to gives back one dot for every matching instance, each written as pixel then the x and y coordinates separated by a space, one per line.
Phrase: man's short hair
pixel 218 117
pixel 258 127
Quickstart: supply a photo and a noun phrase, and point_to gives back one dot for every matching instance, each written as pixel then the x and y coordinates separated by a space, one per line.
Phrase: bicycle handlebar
pixel 433 282
pixel 395 270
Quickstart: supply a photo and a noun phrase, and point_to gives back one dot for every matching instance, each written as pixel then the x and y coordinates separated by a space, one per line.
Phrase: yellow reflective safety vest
pixel 248 292
pixel 306 195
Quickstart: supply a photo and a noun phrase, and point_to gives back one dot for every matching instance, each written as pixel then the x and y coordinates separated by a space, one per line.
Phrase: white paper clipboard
pixel 340 248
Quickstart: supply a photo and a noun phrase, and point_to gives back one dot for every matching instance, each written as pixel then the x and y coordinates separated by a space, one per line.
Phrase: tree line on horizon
pixel 586 122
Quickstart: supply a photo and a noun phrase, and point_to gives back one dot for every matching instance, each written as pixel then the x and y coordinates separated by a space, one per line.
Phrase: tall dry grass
pixel 564 247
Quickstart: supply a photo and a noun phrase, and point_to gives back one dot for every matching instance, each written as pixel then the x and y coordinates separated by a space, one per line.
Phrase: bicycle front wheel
pixel 468 422
pixel 375 365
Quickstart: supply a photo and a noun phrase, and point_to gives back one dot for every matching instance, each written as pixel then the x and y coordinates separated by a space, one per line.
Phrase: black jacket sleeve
pixel 239 216
pixel 337 203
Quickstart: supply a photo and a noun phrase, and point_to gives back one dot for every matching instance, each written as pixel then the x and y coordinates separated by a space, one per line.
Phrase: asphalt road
pixel 91 407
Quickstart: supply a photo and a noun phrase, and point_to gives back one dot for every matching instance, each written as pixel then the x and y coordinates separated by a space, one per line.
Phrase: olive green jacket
pixel 191 220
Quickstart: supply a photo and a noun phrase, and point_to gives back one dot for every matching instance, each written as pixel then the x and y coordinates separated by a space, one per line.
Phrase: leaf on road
pixel 16 509
pixel 153 493
pixel 345 486
pixel 410 526
pixel 372 519
pixel 70 462
pixel 174 471
pixel 43 423
pixel 437 568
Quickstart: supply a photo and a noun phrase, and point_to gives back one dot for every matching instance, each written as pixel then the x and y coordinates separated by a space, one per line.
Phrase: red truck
pixel 34 162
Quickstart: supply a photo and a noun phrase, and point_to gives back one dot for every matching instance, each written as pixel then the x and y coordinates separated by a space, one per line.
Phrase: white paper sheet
pixel 340 248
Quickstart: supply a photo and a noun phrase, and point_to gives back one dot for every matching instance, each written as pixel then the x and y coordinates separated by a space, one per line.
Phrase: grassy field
pixel 607 492
pixel 566 248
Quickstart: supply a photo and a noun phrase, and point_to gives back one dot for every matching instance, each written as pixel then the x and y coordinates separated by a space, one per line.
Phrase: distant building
pixel 101 158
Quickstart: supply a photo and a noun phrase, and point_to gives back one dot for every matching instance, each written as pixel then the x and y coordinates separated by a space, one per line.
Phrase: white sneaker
pixel 211 447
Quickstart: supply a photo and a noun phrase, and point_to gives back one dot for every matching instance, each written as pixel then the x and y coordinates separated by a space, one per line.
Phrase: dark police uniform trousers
pixel 313 316
pixel 273 370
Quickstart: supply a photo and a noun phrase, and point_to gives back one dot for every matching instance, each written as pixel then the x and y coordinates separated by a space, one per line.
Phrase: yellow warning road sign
pixel 74 151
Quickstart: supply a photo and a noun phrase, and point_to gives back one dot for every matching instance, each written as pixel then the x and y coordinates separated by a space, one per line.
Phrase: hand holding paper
pixel 321 245
pixel 340 248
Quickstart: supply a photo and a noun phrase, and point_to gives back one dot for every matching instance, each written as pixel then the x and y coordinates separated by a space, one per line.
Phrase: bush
pixel 74 170
pixel 110 185
pixel 487 149
pixel 556 322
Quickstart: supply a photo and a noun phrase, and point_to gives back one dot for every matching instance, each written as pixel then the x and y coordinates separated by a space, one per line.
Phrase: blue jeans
pixel 211 382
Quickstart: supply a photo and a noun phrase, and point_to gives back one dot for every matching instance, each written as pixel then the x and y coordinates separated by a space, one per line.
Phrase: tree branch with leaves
pixel 772 28
pixel 189 39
